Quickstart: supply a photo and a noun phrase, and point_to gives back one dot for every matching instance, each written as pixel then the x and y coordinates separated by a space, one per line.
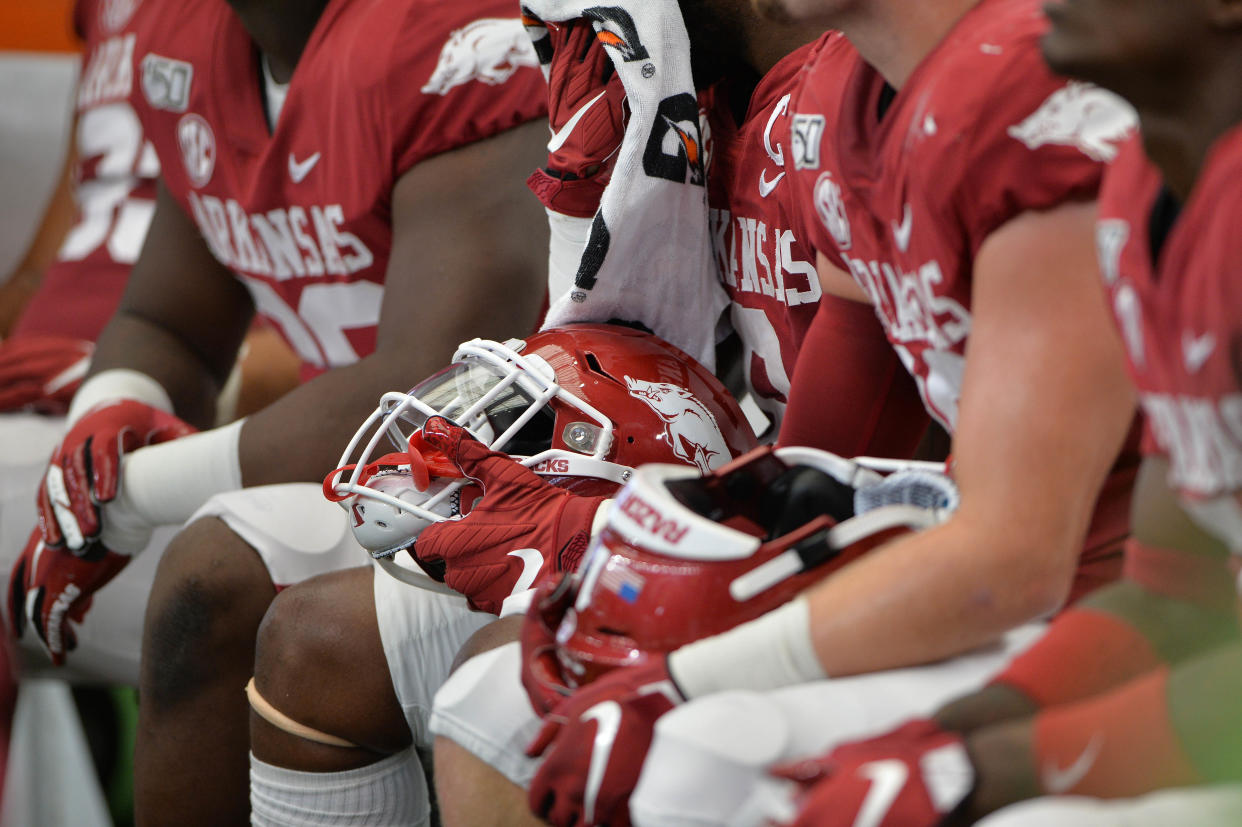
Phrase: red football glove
pixel 914 776
pixel 42 373
pixel 521 528
pixel 85 467
pixel 50 587
pixel 541 672
pixel 594 746
pixel 586 112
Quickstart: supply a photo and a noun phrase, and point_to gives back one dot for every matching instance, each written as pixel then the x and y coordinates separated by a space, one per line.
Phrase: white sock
pixel 392 791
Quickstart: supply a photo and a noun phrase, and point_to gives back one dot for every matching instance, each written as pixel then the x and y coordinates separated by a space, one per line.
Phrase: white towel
pixel 648 258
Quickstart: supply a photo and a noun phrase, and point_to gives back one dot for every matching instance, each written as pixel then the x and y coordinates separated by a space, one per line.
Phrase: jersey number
pixel 108 214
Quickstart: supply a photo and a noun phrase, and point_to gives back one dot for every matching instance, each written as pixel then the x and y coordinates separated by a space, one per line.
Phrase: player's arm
pixel 181 319
pixel 846 355
pixel 1044 409
pixel 57 218
pixel 1045 406
pixel 469 258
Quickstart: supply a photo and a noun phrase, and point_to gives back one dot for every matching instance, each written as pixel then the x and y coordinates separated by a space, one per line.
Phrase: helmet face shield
pixel 502 409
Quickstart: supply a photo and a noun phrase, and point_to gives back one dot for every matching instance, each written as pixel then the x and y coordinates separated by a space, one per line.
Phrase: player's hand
pixel 42 373
pixel 84 473
pixel 914 776
pixel 521 527
pixel 49 588
pixel 594 745
pixel 541 672
pixel 585 111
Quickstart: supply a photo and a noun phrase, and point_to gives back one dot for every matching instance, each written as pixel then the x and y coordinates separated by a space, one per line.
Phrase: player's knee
pixel 491 636
pixel 209 594
pixel 297 644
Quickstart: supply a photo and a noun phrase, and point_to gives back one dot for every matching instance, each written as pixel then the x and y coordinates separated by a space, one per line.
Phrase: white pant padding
pixel 484 709
pixel 709 760
pixel 421 632
pixel 392 791
pixel 296 532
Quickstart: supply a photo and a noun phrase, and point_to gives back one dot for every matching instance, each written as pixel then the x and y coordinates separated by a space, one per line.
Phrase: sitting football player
pixel 53 306
pixel 681 556
pixel 957 228
pixel 327 169
pixel 1136 690
pixel 564 415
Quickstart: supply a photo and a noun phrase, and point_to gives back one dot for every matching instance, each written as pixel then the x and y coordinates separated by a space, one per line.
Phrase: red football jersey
pixel 901 189
pixel 1172 281
pixel 301 212
pixel 767 272
pixel 114 184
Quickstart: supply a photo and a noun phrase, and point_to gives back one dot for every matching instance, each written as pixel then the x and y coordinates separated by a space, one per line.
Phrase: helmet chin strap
pixel 556 462
pixel 413 576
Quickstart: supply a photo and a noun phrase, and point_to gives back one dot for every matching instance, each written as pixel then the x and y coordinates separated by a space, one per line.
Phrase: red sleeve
pixel 473 76
pixel 849 393
pixel 1045 146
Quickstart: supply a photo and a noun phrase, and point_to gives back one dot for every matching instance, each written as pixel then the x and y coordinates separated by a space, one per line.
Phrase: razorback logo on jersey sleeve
pixel 490 51
pixel 1079 115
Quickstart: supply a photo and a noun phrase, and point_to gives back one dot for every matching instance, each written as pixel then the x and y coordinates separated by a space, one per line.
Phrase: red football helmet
pixel 684 556
pixel 581 405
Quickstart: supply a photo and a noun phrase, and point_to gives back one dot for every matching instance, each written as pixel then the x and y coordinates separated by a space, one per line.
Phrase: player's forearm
pixel 133 343
pixel 300 437
pixel 933 595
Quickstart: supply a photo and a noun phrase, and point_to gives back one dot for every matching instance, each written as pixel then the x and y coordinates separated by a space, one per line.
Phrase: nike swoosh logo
pixel 532 562
pixel 562 135
pixel 69 375
pixel 58 496
pixel 1197 349
pixel 1057 781
pixel 766 186
pixel 902 231
pixel 607 717
pixel 300 169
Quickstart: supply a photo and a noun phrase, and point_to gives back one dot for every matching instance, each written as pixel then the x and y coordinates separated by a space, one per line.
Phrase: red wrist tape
pixel 1118 745
pixel 1083 653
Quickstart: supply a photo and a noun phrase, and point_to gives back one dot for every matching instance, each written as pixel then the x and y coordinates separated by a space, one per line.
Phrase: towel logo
pixel 614 27
pixel 675 147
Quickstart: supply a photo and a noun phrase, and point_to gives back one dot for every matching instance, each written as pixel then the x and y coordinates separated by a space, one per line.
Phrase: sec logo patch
pixel 198 148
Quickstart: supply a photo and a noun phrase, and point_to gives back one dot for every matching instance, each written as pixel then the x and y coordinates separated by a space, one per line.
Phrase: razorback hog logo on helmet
pixel 690 427
pixel 1079 115
pixel 489 50
pixel 615 28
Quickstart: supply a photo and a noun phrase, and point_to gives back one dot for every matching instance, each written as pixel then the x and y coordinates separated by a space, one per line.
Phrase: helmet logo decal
pixel 624 582
pixel 690 427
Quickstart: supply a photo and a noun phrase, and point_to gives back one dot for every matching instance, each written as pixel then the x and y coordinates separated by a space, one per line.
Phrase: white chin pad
pixel 381 527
